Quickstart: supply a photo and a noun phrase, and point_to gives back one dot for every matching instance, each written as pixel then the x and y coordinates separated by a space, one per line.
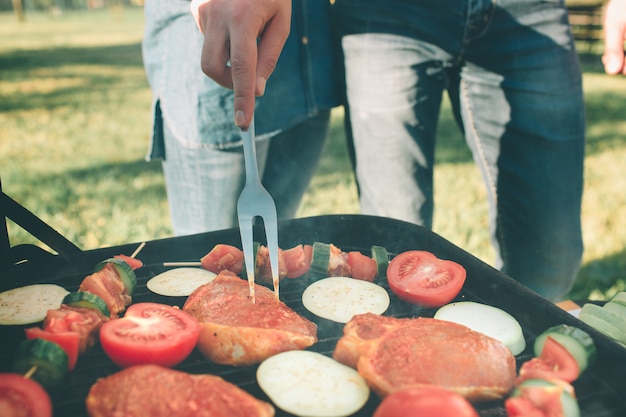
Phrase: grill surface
pixel 601 390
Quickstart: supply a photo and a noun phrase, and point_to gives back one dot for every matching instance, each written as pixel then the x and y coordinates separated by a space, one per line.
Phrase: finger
pixel 214 60
pixel 614 35
pixel 243 61
pixel 269 48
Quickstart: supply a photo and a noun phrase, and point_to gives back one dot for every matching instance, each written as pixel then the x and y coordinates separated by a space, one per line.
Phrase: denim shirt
pixel 199 112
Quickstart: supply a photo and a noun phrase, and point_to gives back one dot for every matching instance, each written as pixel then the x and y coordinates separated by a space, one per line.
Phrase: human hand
pixel 242 42
pixel 614 37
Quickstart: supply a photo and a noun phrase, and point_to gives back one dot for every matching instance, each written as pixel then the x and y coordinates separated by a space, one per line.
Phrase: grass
pixel 75 123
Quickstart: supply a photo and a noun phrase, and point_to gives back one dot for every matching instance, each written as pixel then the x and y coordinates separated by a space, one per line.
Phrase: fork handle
pixel 249 153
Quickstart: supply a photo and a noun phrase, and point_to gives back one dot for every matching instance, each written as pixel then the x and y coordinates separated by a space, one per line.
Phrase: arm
pixel 242 42
pixel 614 36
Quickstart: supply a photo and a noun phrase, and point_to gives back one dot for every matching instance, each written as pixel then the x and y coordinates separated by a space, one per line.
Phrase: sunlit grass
pixel 75 123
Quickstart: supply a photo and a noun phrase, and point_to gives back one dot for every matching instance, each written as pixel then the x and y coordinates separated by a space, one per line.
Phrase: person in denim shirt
pixel 514 80
pixel 194 130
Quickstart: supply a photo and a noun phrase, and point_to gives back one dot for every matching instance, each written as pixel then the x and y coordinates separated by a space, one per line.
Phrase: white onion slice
pixel 488 320
pixel 340 298
pixel 29 304
pixel 310 384
pixel 179 282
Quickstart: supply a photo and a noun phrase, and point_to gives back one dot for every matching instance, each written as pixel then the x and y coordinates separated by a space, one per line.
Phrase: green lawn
pixel 75 123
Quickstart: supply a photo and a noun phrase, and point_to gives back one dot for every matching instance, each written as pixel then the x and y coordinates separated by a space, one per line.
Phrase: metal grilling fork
pixel 255 201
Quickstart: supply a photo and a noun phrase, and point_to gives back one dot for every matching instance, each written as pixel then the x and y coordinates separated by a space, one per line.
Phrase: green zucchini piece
pixel 620 298
pixel 85 299
pixel 319 260
pixel 576 341
pixel 616 308
pixel 380 255
pixel 255 251
pixel 604 321
pixel 126 273
pixel 48 358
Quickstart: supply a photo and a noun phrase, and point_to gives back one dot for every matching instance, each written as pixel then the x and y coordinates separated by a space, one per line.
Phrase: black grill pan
pixel 601 390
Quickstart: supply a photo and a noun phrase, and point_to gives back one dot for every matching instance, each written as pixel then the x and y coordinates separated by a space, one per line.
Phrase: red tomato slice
pixel 425 401
pixel 420 277
pixel 296 261
pixel 20 396
pixel 554 362
pixel 362 267
pixel 133 262
pixel 150 333
pixel 223 257
pixel 68 340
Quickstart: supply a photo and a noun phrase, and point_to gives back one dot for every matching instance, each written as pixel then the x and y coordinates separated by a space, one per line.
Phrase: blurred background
pixel 75 119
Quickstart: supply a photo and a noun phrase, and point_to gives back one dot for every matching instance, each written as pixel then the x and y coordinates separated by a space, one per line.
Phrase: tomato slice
pixel 554 362
pixel 150 333
pixel 425 401
pixel 362 267
pixel 420 277
pixel 223 257
pixel 133 262
pixel 21 396
pixel 296 261
pixel 69 341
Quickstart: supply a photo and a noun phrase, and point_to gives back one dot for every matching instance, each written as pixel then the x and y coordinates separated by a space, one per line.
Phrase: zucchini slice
pixel 319 260
pixel 86 299
pixel 46 358
pixel 124 270
pixel 576 341
pixel 380 255
pixel 605 321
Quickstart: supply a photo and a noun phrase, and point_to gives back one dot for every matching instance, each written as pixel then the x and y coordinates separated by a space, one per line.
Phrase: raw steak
pixel 234 331
pixel 151 390
pixel 392 353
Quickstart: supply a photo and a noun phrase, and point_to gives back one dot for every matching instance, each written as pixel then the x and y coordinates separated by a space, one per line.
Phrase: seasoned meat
pixel 84 321
pixel 393 353
pixel 107 284
pixel 155 391
pixel 236 331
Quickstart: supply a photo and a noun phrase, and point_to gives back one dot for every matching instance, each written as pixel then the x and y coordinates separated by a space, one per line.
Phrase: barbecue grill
pixel 601 390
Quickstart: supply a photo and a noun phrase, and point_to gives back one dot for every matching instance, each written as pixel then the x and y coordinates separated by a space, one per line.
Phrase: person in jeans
pixel 193 129
pixel 512 74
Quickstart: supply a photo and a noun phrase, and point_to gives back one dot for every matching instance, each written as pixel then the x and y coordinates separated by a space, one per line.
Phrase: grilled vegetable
pixel 85 299
pixel 576 341
pixel 46 358
pixel 29 304
pixel 489 320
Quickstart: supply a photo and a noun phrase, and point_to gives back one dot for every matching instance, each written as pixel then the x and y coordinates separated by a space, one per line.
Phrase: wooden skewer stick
pixel 139 248
pixel 30 372
pixel 182 263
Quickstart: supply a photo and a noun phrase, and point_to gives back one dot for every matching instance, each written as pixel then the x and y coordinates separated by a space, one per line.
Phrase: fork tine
pixel 245 230
pixel 271 235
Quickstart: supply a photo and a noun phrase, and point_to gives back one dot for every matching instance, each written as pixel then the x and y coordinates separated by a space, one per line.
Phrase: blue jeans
pixel 513 77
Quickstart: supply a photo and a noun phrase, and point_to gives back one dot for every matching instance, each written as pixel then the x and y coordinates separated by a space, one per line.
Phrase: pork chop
pixel 235 331
pixel 155 391
pixel 392 353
